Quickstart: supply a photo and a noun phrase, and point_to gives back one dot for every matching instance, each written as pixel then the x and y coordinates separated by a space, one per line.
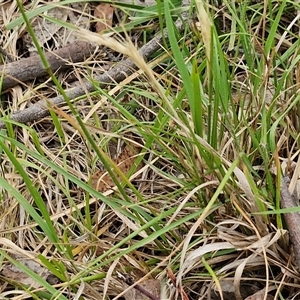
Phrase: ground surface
pixel 164 171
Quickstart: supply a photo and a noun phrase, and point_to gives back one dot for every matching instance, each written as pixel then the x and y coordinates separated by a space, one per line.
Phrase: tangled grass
pixel 214 116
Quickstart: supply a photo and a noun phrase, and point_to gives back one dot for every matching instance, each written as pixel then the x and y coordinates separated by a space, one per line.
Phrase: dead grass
pixel 188 201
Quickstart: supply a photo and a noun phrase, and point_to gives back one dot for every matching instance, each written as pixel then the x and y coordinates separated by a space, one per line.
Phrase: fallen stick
pixel 116 74
pixel 292 219
pixel 32 67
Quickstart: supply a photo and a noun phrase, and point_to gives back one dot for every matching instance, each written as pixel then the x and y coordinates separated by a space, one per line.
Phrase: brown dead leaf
pixel 101 180
pixel 150 285
pixel 49 32
pixel 12 272
pixel 105 13
pixel 260 296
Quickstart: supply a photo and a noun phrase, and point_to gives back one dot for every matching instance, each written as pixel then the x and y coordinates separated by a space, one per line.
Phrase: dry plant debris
pixel 48 32
pixel 102 181
pixel 292 219
pixel 148 289
pixel 260 296
pixel 104 12
pixel 116 74
pixel 12 272
pixel 232 253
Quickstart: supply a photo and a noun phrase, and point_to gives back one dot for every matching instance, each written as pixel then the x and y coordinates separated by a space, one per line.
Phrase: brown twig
pixel 29 68
pixel 116 74
pixel 292 219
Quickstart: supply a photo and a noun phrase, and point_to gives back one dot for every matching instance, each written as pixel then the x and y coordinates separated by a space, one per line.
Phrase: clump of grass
pixel 214 121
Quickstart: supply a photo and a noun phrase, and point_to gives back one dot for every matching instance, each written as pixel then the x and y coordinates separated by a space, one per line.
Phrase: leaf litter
pixel 230 244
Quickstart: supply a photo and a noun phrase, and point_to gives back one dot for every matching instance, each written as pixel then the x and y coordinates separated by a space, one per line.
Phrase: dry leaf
pixel 150 285
pixel 50 32
pixel 12 272
pixel 105 13
pixel 101 181
pixel 260 296
pixel 44 29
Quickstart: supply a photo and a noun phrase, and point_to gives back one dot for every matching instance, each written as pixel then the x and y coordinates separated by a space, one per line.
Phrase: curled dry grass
pixel 208 154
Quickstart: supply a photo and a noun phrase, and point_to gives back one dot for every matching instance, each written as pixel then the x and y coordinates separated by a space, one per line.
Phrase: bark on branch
pixel 29 68
pixel 292 219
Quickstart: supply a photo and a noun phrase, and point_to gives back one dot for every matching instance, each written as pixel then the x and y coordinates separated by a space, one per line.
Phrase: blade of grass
pixel 44 222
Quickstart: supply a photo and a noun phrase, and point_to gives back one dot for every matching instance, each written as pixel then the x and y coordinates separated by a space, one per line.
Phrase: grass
pixel 216 124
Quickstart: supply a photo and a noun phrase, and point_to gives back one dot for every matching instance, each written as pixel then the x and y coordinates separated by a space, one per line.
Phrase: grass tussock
pixel 173 174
